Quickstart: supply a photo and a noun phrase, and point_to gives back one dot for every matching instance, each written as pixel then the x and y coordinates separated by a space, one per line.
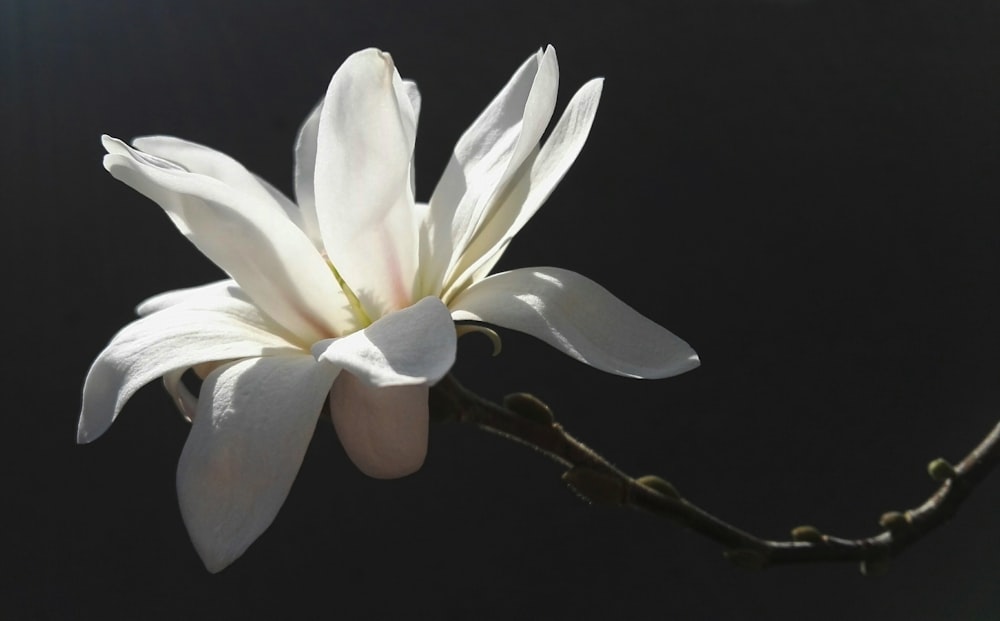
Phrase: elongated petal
pixel 174 338
pixel 383 430
pixel 579 317
pixel 270 257
pixel 224 288
pixel 532 188
pixel 187 403
pixel 198 158
pixel 305 171
pixel 415 345
pixel 255 420
pixel 413 94
pixel 287 205
pixel 486 158
pixel 363 200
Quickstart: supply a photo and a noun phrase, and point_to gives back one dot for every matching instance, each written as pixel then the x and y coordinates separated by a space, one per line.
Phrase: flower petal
pixel 363 200
pixel 532 188
pixel 262 250
pixel 206 161
pixel 305 170
pixel 580 318
pixel 485 159
pixel 224 288
pixel 415 345
pixel 255 420
pixel 186 402
pixel 383 430
pixel 413 94
pixel 174 338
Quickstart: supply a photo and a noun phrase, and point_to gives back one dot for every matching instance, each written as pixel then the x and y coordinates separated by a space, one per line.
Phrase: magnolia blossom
pixel 351 293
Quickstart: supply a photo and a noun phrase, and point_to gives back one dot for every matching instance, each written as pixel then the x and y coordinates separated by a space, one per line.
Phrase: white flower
pixel 351 294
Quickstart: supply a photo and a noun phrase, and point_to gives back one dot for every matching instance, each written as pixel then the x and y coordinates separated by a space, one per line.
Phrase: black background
pixel 805 191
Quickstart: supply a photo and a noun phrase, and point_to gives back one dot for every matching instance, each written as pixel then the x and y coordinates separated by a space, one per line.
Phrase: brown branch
pixel 527 420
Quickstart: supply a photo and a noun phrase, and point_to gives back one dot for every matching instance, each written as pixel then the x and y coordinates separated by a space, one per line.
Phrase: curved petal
pixel 362 182
pixel 413 94
pixel 224 288
pixel 270 257
pixel 198 158
pixel 287 205
pixel 383 430
pixel 580 318
pixel 486 158
pixel 186 402
pixel 533 187
pixel 174 338
pixel 305 170
pixel 255 420
pixel 415 345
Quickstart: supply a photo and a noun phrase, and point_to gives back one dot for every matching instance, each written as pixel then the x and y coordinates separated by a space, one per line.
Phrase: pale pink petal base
pixel 383 430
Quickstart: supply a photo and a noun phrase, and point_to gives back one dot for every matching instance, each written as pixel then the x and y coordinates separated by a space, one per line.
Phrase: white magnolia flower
pixel 351 293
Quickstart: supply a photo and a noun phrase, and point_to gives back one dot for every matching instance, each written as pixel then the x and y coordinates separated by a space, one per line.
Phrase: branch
pixel 525 419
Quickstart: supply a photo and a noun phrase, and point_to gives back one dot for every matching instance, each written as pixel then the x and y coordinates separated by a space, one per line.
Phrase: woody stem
pixel 527 420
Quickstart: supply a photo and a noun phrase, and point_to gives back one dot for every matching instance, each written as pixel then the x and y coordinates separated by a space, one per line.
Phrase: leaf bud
pixel 530 407
pixel 894 520
pixel 657 484
pixel 940 470
pixel 807 533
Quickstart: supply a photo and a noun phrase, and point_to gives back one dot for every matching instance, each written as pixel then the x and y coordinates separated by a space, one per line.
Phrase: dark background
pixel 805 191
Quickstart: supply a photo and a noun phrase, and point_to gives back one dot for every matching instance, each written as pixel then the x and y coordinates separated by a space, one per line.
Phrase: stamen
pixel 359 311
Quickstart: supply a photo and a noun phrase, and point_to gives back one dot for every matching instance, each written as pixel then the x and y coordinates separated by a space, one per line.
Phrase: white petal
pixel 383 430
pixel 363 199
pixel 174 338
pixel 579 317
pixel 486 158
pixel 255 420
pixel 224 288
pixel 305 170
pixel 413 94
pixel 415 345
pixel 206 161
pixel 287 205
pixel 186 402
pixel 270 257
pixel 532 188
